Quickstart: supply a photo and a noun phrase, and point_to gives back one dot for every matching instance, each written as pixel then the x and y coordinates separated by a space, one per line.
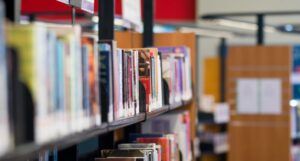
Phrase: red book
pixel 163 142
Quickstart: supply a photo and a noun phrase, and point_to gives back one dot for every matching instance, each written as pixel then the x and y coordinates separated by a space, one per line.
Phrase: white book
pixel 6 143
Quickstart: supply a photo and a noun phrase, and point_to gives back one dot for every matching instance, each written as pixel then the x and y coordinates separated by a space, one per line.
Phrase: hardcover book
pixel 162 141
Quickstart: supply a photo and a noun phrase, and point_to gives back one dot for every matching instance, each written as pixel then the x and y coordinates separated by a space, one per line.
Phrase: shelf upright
pixel 106 19
pixel 13 10
pixel 148 23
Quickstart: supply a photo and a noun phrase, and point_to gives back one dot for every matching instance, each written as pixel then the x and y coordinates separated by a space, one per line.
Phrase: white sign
pixel 247 96
pixel 259 96
pixel 64 1
pixel 132 11
pixel 88 5
pixel 221 113
pixel 270 96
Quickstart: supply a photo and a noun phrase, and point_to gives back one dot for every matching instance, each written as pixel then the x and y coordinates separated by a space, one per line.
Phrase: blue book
pixel 85 79
pixel 106 94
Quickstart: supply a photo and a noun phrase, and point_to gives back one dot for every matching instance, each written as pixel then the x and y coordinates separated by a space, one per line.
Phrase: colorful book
pixel 177 123
pixel 162 141
pixel 106 78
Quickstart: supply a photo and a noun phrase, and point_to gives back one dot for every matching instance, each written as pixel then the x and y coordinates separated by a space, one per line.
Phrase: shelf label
pixel 88 5
pixel 64 1
pixel 132 11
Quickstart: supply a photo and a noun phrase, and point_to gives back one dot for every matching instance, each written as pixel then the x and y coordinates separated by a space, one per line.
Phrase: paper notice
pixel 221 113
pixel 247 96
pixel 270 96
pixel 64 1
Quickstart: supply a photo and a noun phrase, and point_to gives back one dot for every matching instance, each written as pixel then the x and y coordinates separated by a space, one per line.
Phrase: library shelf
pixel 187 102
pixel 208 118
pixel 32 150
pixel 126 122
pixel 211 148
pixel 157 112
pixel 176 105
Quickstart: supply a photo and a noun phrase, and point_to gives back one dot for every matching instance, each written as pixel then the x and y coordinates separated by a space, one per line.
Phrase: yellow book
pixel 212 77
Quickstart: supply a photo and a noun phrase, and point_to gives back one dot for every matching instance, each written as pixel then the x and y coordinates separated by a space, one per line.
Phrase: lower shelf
pixel 126 122
pixel 29 151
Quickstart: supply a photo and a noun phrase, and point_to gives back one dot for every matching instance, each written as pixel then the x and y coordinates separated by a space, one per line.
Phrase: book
pixel 5 127
pixel 154 152
pixel 178 78
pixel 162 141
pixel 149 71
pixel 32 74
pixel 93 110
pixel 107 50
pixel 132 153
pixel 177 123
pixel 118 84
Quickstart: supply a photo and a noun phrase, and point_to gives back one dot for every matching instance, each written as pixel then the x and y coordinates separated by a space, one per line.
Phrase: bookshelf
pixel 267 134
pixel 109 133
pixel 32 150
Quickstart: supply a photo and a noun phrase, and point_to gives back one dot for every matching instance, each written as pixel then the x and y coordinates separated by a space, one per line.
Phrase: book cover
pixel 111 46
pixel 94 103
pixel 104 54
pixel 117 75
pixel 125 85
pixel 136 81
pixel 151 147
pixel 145 76
pixel 177 123
pixel 120 82
pixel 85 80
pixel 30 42
pixel 162 141
pixel 6 144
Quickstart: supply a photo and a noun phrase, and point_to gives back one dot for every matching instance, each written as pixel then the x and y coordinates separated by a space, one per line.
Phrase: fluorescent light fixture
pixel 207 32
pixel 241 25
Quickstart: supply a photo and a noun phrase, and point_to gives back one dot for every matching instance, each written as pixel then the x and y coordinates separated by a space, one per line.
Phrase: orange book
pixel 163 142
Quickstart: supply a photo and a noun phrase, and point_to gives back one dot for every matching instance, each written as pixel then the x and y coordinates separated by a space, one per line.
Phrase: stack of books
pixel 177 72
pixel 145 147
pixel 177 123
pixel 64 80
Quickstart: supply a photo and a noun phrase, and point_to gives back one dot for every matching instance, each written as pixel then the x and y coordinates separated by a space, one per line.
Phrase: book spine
pixel 136 82
pixel 104 82
pixel 6 144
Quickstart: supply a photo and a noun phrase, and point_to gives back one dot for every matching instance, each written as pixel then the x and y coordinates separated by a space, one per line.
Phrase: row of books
pixel 161 139
pixel 63 80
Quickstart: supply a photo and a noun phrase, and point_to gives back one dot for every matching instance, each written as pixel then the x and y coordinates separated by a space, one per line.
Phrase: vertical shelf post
pixel 223 53
pixel 106 19
pixel 260 29
pixel 13 10
pixel 148 23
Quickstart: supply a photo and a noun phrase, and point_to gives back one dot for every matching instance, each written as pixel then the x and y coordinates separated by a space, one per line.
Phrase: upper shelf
pixel 28 151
